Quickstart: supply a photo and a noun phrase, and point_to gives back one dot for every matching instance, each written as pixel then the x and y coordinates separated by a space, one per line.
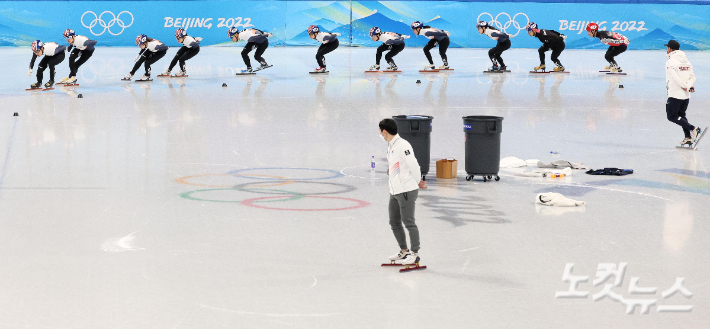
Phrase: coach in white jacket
pixel 404 182
pixel 679 83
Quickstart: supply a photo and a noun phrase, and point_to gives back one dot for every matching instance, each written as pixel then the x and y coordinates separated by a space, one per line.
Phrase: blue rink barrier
pixel 647 24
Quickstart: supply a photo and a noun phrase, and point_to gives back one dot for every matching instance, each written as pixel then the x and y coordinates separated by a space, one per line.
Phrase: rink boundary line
pixel 7 154
pixel 277 315
pixel 604 188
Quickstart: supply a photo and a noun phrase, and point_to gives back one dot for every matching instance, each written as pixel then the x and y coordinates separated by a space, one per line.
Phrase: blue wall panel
pixel 116 23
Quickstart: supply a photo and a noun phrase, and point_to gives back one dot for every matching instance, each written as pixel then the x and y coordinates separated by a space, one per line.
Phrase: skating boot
pixel 398 257
pixel 541 67
pixel 411 258
pixel 615 69
pixel 49 84
pixel 180 73
pixel 559 68
pixel 503 68
pixel 144 78
pixel 62 81
pixel 374 68
pixel 607 68
pixel 36 85
pixel 127 77
pixel 687 141
pixel 444 67
pixel 429 67
pixel 263 65
pixel 165 73
pixel 71 81
pixel 694 133
pixel 393 67
pixel 246 71
pixel 319 70
pixel 494 68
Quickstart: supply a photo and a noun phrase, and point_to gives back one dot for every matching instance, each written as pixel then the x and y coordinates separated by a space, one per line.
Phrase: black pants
pixel 74 65
pixel 182 55
pixel 260 49
pixel 557 49
pixel 393 51
pixel 50 61
pixel 149 59
pixel 443 46
pixel 495 52
pixel 675 112
pixel 612 52
pixel 324 49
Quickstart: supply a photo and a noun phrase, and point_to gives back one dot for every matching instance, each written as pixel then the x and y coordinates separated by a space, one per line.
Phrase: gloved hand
pixel 29 73
pixel 336 34
pixel 198 39
pixel 405 37
pixel 269 34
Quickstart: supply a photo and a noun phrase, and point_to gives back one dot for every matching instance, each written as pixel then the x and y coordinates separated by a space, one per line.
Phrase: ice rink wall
pixel 648 24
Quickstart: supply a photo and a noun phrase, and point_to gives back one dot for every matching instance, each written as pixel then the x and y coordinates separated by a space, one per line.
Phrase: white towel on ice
pixel 556 200
pixel 513 162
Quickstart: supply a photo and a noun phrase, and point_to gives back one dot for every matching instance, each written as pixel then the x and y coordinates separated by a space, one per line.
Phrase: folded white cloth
pixel 513 162
pixel 548 172
pixel 562 164
pixel 556 200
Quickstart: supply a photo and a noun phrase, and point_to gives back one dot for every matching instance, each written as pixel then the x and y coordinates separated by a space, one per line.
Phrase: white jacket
pixel 404 170
pixel 679 75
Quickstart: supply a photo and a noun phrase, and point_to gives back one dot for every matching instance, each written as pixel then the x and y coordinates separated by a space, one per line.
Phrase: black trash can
pixel 416 129
pixel 482 146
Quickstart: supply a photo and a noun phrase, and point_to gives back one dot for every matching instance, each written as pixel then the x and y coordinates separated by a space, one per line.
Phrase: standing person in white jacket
pixel 679 83
pixel 404 182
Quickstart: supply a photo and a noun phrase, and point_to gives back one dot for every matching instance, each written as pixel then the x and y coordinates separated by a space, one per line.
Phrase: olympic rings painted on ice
pixel 98 19
pixel 336 174
pixel 511 21
pixel 184 180
pixel 346 188
pixel 359 203
pixel 189 195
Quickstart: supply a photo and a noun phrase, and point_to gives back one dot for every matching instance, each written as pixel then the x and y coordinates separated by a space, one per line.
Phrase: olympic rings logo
pixel 270 185
pixel 98 20
pixel 511 21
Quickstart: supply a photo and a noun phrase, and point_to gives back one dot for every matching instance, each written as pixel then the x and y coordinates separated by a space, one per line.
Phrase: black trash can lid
pixel 413 117
pixel 482 118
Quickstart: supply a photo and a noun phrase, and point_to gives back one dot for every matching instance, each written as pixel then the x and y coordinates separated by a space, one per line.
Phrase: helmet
pixel 375 31
pixel 592 27
pixel 482 24
pixel 313 29
pixel 232 31
pixel 36 45
pixel 68 33
pixel 531 26
pixel 416 24
pixel 179 33
pixel 141 39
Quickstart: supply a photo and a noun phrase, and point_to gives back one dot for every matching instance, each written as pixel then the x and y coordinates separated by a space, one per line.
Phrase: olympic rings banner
pixel 116 23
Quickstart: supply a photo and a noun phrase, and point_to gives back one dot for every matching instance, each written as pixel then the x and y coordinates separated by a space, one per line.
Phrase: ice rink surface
pixel 184 204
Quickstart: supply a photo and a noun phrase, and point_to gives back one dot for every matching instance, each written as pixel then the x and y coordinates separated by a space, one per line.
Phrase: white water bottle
pixel 372 164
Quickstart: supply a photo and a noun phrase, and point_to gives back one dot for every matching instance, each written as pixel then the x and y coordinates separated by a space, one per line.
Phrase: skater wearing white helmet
pixel 329 42
pixel 151 51
pixel 256 39
pixel 502 45
pixel 617 45
pixel 437 38
pixel 551 40
pixel 190 48
pixel 679 84
pixel 53 55
pixel 394 42
pixel 83 49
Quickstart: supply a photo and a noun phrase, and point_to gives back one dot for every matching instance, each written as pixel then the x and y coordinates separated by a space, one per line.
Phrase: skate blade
pixel 149 80
pixel 559 71
pixel 179 76
pixel 319 72
pixel 373 71
pixel 428 71
pixel 391 264
pixel 34 89
pixel 47 89
pixel 616 73
pixel 413 267
pixel 125 79
pixel 539 72
pixel 70 85
pixel 164 75
pixel 448 70
pixel 603 71
pixel 495 72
